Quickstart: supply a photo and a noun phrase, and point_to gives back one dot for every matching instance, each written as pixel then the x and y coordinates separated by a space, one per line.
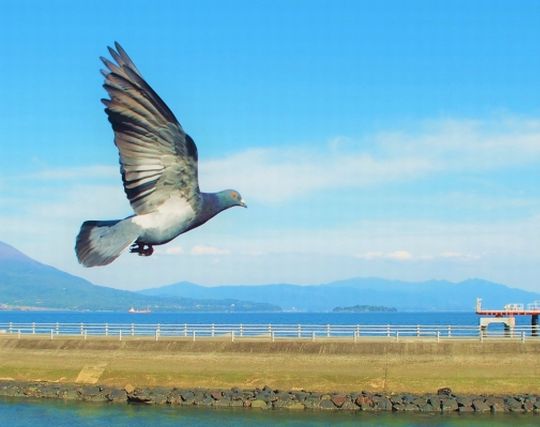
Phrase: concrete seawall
pixel 376 366
pixel 377 346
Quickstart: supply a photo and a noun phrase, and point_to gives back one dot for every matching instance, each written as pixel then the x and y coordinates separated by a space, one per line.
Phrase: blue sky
pixel 391 139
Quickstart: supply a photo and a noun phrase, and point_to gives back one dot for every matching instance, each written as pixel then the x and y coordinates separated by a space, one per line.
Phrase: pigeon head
pixel 230 198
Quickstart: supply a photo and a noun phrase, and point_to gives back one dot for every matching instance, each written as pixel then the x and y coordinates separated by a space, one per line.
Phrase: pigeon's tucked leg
pixel 142 249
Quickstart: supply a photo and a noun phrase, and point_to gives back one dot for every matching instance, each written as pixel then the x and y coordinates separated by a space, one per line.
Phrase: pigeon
pixel 158 164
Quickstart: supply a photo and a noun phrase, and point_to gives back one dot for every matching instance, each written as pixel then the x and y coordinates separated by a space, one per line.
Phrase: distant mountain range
pixel 433 295
pixel 25 282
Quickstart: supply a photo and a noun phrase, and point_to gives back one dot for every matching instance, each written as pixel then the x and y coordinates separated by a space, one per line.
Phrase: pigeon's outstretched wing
pixel 157 158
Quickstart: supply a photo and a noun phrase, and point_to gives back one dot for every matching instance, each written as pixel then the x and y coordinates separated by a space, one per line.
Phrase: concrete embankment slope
pixel 491 367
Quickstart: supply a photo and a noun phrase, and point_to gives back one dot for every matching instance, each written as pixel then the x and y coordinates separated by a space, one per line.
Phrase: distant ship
pixel 133 310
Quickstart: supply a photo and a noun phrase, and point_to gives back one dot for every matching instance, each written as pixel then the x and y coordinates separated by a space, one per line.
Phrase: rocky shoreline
pixel 443 401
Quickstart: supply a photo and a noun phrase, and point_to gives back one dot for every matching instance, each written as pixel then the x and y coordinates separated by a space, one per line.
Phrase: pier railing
pixel 272 332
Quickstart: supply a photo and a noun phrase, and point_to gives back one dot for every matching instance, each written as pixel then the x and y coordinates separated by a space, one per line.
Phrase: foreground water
pixel 22 413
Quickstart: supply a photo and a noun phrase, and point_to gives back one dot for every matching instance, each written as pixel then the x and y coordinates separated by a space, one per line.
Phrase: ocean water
pixel 406 318
pixel 35 413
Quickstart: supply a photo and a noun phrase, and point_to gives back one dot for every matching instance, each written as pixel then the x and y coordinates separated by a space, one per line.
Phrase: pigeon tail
pixel 101 242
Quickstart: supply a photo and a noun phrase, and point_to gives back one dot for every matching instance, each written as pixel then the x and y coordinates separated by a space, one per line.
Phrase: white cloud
pixel 172 250
pixel 403 255
pixel 78 173
pixel 276 175
pixel 208 250
pixel 270 176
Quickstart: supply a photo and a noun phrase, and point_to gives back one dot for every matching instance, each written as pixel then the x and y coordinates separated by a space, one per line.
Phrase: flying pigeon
pixel 158 163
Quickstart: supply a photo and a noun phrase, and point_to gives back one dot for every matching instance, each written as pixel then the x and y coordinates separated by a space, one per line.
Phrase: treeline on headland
pixel 363 309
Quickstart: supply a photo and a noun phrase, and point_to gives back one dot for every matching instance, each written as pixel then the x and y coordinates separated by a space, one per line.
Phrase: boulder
pixel 327 404
pixel 496 404
pixel 444 391
pixel 259 403
pixel 513 404
pixel 216 395
pixel 428 408
pixel 480 406
pixel 449 405
pixel 117 396
pixel 339 400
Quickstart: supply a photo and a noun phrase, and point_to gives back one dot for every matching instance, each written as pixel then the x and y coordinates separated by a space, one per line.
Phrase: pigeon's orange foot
pixel 142 249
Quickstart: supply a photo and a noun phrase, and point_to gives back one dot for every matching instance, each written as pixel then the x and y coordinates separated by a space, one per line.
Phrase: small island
pixel 364 309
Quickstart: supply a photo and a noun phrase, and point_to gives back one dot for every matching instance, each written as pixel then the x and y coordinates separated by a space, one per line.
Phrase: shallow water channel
pixel 27 412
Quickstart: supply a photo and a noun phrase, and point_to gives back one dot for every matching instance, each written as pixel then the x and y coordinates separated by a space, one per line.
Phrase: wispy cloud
pixel 208 250
pixel 171 250
pixel 270 175
pixel 77 173
pixel 446 146
pixel 405 256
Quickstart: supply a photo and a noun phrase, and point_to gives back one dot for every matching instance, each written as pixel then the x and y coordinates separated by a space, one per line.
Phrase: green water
pixel 22 412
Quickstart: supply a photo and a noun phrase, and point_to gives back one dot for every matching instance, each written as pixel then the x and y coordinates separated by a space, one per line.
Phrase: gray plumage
pixel 158 164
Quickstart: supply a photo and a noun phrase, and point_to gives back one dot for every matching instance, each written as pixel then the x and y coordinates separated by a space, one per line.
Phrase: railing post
pixel 232 336
pixel 328 331
pixel 355 336
pixel 194 335
pixel 214 330
pixel 449 331
pixel 438 336
pixel 387 330
pixel 185 329
pixel 52 333
pixel 33 328
pixel 522 336
pixel 82 328
pixel 157 334
pixel 357 330
pixel 397 335
pixel 120 335
pixel 241 330
pixel 106 329
pixel 132 330
pixel 417 330
pixel 313 336
pixel 10 327
pixel 57 328
pixel 273 337
pixel 299 331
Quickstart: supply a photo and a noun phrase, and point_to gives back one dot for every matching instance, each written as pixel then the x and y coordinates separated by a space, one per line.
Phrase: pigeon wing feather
pixel 157 158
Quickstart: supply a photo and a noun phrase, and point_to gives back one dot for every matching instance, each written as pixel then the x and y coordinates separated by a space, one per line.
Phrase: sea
pixel 283 318
pixel 25 412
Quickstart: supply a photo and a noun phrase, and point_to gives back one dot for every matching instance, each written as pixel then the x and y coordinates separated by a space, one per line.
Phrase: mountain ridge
pixel 25 282
pixel 430 295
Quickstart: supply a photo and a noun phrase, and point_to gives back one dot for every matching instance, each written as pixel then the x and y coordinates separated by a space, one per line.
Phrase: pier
pixel 507 316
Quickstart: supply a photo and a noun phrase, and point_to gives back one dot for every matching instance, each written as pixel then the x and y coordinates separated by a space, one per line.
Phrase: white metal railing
pixel 267 331
pixel 514 307
pixel 535 305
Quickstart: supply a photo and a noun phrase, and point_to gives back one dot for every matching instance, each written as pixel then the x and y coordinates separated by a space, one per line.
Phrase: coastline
pixel 369 375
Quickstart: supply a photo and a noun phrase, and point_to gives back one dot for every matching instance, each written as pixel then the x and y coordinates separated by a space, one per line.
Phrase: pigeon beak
pixel 242 203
